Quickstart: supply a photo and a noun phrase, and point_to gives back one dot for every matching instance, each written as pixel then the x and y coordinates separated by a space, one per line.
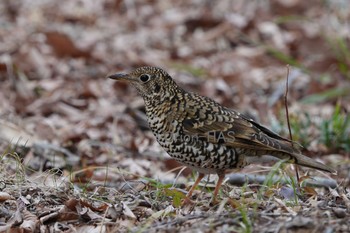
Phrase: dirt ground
pixel 76 153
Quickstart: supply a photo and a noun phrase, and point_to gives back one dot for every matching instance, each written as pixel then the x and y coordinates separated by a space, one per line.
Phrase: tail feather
pixel 301 159
pixel 305 161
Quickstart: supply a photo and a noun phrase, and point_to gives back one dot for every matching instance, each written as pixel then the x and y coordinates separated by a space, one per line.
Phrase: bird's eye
pixel 145 77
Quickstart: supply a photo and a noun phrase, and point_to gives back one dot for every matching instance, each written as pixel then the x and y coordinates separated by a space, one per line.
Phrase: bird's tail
pixel 308 162
pixel 305 161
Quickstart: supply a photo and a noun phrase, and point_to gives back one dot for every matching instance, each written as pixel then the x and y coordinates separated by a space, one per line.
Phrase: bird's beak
pixel 119 76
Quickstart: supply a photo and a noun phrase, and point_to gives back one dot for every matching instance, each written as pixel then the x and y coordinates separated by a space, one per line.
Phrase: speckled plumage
pixel 202 134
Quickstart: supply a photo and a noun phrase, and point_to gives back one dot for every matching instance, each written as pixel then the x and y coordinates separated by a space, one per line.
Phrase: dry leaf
pixel 5 196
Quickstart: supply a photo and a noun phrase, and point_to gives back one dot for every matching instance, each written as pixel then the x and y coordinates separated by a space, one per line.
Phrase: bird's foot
pixel 187 201
pixel 213 202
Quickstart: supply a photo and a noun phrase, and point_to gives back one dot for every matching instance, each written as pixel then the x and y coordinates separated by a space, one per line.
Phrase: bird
pixel 204 135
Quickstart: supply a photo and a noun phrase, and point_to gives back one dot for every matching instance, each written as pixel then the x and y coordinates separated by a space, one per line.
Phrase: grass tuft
pixel 335 131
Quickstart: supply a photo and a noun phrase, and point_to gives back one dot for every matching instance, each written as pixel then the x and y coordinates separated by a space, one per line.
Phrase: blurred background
pixel 55 55
pixel 75 149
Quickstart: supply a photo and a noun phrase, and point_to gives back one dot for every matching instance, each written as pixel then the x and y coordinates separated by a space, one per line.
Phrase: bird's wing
pixel 217 124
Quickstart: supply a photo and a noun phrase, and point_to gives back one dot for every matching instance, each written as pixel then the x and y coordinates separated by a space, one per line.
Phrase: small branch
pixel 286 105
pixel 240 179
pixel 288 123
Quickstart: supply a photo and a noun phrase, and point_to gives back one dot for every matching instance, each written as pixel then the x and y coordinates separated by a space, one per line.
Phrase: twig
pixel 239 179
pixel 288 123
pixel 178 174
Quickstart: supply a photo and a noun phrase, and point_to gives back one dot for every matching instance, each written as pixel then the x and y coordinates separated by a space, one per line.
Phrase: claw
pixel 187 201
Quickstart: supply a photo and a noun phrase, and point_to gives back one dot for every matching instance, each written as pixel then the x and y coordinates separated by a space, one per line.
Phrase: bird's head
pixel 151 82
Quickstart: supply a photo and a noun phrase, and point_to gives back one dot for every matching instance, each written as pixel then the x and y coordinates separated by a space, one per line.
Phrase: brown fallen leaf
pixel 30 222
pixel 5 196
pixel 64 46
pixel 15 134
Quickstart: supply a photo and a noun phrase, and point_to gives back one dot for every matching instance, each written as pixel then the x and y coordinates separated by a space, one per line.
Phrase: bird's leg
pixel 199 178
pixel 189 194
pixel 217 187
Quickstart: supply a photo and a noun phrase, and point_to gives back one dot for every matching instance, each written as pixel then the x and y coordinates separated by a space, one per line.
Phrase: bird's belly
pixel 202 156
pixel 194 152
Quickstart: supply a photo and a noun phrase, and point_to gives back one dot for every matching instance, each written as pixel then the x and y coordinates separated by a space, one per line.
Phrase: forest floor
pixel 76 153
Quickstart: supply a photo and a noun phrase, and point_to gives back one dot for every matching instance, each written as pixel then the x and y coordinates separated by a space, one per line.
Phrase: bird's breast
pixel 166 122
pixel 191 150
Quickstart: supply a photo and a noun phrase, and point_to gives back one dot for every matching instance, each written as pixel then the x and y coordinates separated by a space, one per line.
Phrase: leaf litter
pixel 76 152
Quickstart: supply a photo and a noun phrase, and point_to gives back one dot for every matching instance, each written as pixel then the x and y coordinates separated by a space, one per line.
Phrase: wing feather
pixel 222 125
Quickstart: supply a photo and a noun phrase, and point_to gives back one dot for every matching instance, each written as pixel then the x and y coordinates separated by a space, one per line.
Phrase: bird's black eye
pixel 144 77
